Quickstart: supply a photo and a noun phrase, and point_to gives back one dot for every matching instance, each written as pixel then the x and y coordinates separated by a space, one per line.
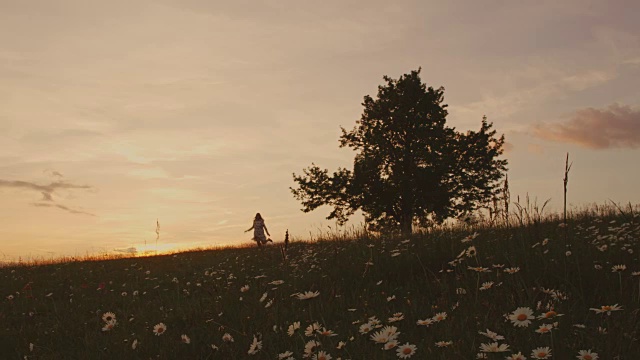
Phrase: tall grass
pixel 457 271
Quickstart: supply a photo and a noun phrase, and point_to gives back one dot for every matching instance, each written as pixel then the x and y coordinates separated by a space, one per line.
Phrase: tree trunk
pixel 406 224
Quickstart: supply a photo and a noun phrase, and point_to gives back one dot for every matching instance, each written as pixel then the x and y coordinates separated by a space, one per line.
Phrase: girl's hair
pixel 258 217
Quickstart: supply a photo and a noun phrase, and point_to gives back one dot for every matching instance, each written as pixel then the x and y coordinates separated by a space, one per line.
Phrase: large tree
pixel 409 167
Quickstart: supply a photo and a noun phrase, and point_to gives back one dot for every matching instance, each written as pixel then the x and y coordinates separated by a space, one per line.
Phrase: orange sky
pixel 197 112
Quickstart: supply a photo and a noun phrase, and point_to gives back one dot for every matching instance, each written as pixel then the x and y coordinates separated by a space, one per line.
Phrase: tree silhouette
pixel 409 167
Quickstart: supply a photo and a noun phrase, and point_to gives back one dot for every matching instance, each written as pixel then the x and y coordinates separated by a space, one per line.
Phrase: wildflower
pixel 618 268
pixel 159 329
pixel 312 329
pixel 486 286
pixel 325 332
pixel 478 269
pixel 471 251
pixel 268 304
pixel 255 346
pixel 365 328
pixel 391 344
pixel 214 347
pixel 309 346
pixel 307 295
pixel 109 325
pixel 444 343
pixel 244 288
pixel 406 351
pixel 185 339
pixel 522 317
pixel 276 282
pixel 285 355
pixel 390 298
pixel 512 270
pixel 396 317
pixel 549 315
pixel 264 297
pixel 9 297
pixel 425 322
pixel 568 253
pixel 607 308
pixel 134 344
pixel 494 347
pixel 108 316
pixel 124 294
pixel 382 337
pixel 491 335
pixel 293 327
pixel 587 355
pixel 439 316
pixel 321 355
pixel 545 328
pixel 635 273
pixel 541 353
pixel 517 356
pixel 227 338
pixel 341 345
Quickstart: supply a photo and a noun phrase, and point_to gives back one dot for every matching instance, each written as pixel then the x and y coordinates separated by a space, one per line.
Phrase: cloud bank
pixel 617 126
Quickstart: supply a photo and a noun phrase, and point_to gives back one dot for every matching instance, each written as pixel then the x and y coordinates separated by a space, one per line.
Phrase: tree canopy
pixel 409 168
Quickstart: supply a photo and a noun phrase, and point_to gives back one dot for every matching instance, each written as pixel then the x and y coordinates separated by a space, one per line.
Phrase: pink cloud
pixel 617 126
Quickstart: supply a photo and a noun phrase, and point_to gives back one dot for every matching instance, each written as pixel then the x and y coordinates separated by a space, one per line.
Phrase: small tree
pixel 409 168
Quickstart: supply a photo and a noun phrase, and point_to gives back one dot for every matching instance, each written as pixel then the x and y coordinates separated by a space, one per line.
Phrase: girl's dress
pixel 258 231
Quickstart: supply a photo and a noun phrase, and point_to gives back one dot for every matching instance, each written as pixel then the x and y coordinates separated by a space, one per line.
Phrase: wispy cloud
pixel 47 191
pixel 617 126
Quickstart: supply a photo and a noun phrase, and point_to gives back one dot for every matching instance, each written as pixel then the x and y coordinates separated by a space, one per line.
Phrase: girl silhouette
pixel 258 230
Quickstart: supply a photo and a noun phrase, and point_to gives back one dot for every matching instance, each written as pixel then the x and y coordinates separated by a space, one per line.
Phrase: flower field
pixel 539 290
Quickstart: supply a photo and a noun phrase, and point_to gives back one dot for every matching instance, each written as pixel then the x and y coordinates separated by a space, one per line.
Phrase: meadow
pixel 533 288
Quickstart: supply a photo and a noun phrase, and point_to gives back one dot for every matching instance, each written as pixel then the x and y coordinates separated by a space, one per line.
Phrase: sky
pixel 196 113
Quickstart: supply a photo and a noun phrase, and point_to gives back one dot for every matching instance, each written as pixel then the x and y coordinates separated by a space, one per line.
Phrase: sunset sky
pixel 196 112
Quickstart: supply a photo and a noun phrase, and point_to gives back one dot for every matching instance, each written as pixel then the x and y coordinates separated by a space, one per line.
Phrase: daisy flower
pixel 321 355
pixel 406 351
pixel 341 345
pixel 255 346
pixel 517 356
pixel 109 325
pixel 549 315
pixel 439 316
pixel 244 288
pixel 607 308
pixel 396 317
pixel 185 339
pixel 390 344
pixel 293 327
pixel 312 329
pixel 494 347
pixel 276 282
pixel 108 316
pixel 587 355
pixel 618 268
pixel 307 295
pixel 425 322
pixel 478 269
pixel 285 355
pixel 522 317
pixel 365 328
pixel 541 353
pixel 491 335
pixel 444 343
pixel 545 329
pixel 227 338
pixel 325 332
pixel 486 286
pixel 309 346
pixel 159 329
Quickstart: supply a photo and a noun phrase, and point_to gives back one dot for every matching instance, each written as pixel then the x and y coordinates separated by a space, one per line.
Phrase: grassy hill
pixel 444 294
